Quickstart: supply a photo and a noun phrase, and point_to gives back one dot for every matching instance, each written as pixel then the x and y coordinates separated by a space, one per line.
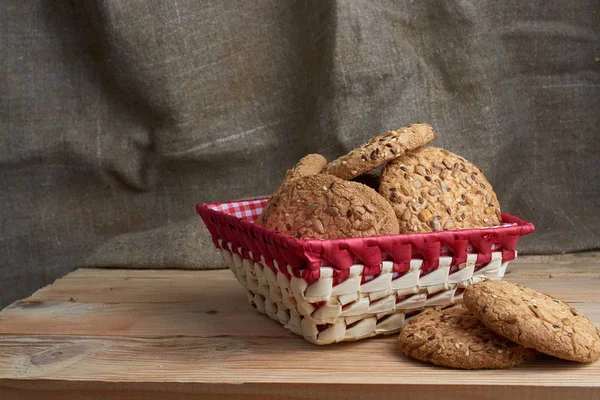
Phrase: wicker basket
pixel 348 289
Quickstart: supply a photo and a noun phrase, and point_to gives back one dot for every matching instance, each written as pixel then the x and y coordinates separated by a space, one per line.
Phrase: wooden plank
pixel 146 334
pixel 244 359
pixel 146 320
pixel 86 273
pixel 97 390
pixel 172 306
pixel 109 286
pixel 572 290
pixel 210 317
pixel 109 289
pixel 557 266
pixel 587 257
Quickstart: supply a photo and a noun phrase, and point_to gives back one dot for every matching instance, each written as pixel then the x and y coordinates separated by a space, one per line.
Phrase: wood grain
pixel 146 334
pixel 19 390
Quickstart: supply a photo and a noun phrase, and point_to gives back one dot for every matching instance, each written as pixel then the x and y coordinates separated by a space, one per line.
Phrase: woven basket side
pixel 325 312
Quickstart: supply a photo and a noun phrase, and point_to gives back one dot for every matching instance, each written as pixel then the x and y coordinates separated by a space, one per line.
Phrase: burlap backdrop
pixel 118 116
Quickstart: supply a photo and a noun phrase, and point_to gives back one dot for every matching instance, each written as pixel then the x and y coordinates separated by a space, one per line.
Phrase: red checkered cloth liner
pixel 248 210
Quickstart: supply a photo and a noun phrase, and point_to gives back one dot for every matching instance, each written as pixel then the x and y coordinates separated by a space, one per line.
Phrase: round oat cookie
pixel 456 338
pixel 379 150
pixel 432 189
pixel 534 320
pixel 310 164
pixel 325 207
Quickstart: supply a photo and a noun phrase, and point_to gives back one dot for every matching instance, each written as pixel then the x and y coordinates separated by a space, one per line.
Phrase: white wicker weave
pixel 323 313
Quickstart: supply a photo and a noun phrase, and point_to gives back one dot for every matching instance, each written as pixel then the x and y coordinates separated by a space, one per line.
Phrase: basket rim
pixel 519 227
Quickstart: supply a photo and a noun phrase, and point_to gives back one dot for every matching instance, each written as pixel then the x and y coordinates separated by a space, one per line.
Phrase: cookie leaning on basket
pixel 534 320
pixel 432 189
pixel 308 165
pixel 456 338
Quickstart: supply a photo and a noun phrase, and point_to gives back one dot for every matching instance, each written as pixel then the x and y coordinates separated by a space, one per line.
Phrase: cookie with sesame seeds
pixel 379 150
pixel 326 207
pixel 534 320
pixel 432 189
pixel 456 338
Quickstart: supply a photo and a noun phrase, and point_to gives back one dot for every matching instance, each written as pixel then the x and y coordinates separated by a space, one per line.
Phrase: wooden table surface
pixel 155 334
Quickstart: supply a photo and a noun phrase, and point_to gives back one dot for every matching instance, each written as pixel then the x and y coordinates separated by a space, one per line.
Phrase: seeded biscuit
pixel 432 189
pixel 325 207
pixel 310 164
pixel 379 150
pixel 456 338
pixel 534 320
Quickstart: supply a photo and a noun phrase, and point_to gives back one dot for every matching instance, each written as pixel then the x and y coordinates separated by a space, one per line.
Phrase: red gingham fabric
pixel 248 210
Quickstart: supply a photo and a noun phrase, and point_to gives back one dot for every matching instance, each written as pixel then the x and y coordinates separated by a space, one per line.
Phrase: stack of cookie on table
pixel 500 325
pixel 423 188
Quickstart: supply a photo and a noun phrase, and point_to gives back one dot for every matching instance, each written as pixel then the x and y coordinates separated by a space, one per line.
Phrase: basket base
pixel 359 307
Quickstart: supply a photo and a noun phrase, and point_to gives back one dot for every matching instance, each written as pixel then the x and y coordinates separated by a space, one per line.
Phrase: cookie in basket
pixel 310 164
pixel 379 150
pixel 534 320
pixel 456 338
pixel 325 207
pixel 432 189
